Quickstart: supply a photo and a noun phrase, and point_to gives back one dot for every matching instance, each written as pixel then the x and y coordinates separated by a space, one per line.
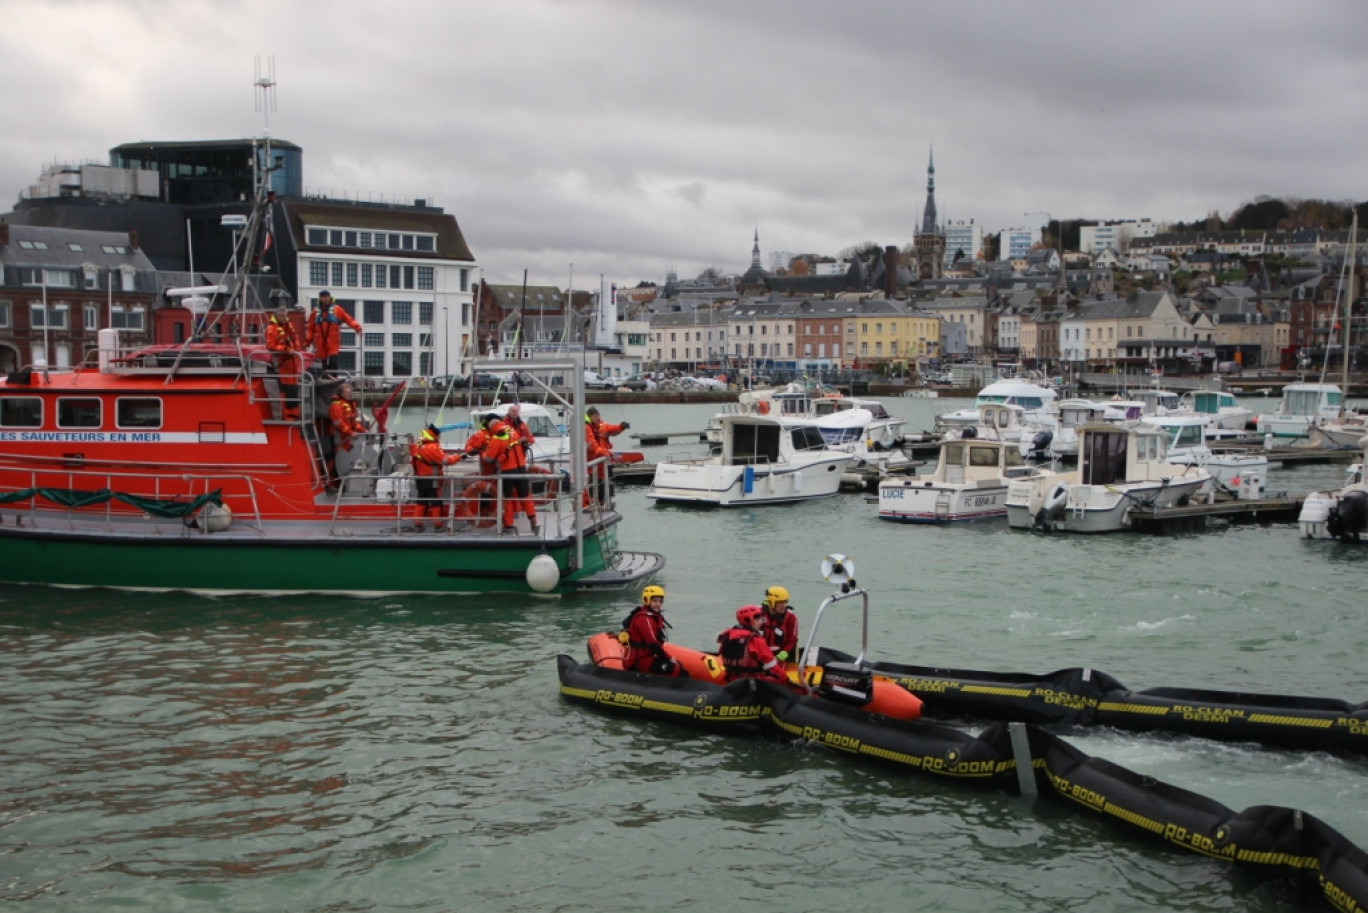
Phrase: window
pixel 115 248
pixel 317 236
pixel 425 313
pixel 74 247
pixel 364 239
pixel 53 317
pixel 380 275
pixel 136 412
pixel 401 313
pixel 346 361
pixel 394 274
pixel 375 363
pixel 425 278
pixel 352 275
pixel 401 364
pixel 318 272
pixel 4 313
pixel 89 277
pixel 426 243
pixel 401 340
pixel 374 340
pixel 374 312
pixel 78 412
pixel 91 316
pixel 408 274
pixel 337 274
pixel 33 245
pixel 350 238
pixel 126 318
pixel 335 237
pixel 21 412
pixel 465 280
pixel 365 275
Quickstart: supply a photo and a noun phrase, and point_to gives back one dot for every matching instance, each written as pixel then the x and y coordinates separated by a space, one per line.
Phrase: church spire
pixel 929 215
pixel 755 251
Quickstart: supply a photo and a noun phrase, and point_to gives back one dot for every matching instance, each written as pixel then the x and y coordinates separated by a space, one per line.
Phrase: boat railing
pixel 470 500
pixel 83 495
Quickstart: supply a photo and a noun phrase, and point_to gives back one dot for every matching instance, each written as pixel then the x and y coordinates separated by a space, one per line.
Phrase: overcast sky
pixel 628 136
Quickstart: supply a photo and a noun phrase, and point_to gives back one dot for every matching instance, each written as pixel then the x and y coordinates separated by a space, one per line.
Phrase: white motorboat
pixel 1007 422
pixel 863 427
pixel 1244 475
pixel 1303 405
pixel 1075 413
pixel 1225 409
pixel 1036 402
pixel 1340 514
pixel 969 483
pixel 1343 433
pixel 1120 467
pixel 763 459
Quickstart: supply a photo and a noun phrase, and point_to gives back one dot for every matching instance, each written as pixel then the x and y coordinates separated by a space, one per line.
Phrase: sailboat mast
pixel 1347 312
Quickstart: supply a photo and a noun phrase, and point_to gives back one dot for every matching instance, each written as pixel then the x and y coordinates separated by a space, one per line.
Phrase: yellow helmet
pixel 651 592
pixel 775 594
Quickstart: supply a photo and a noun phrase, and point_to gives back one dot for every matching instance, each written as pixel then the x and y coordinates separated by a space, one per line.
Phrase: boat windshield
pixel 1308 402
pixel 807 437
pixel 541 426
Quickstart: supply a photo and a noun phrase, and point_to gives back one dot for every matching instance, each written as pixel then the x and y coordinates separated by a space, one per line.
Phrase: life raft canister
pixel 607 651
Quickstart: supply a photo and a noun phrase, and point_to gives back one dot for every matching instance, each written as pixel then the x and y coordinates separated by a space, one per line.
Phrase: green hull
pixel 415 564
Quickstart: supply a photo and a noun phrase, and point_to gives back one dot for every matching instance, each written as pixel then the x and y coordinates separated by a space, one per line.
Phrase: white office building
pixel 1015 242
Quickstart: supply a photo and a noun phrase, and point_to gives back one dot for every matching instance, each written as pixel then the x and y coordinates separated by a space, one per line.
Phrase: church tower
pixel 930 240
pixel 753 279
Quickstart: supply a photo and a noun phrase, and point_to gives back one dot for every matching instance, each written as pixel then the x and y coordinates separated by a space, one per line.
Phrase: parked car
pixel 595 381
pixel 637 382
pixel 449 380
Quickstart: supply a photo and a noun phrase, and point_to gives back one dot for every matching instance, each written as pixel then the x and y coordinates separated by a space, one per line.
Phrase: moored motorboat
pixel 1243 475
pixel 1120 467
pixel 1222 406
pixel 1340 513
pixel 763 459
pixel 1302 406
pixel 969 483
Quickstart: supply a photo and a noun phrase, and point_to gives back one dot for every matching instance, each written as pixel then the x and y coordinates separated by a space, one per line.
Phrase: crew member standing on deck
pixel 429 462
pixel 506 449
pixel 598 443
pixel 323 329
pixel 347 423
pixel 283 344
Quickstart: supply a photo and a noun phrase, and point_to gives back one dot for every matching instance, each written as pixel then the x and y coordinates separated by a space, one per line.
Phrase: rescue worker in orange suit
pixel 645 632
pixel 429 459
pixel 780 625
pixel 513 419
pixel 743 649
pixel 598 443
pixel 478 445
pixel 283 344
pixel 346 420
pixel 506 449
pixel 323 330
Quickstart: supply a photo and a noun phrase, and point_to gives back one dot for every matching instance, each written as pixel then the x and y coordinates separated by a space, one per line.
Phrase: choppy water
pixel 174 752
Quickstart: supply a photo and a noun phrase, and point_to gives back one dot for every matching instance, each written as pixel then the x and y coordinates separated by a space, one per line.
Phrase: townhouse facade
pixel 61 286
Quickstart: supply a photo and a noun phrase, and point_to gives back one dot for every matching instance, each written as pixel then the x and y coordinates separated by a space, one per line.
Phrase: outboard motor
pixel 1052 508
pixel 847 683
pixel 1040 445
pixel 1348 517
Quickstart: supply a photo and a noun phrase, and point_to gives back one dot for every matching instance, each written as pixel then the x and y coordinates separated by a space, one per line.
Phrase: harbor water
pixel 307 753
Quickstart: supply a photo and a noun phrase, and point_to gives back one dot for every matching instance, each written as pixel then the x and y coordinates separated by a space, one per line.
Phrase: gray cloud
pixel 627 136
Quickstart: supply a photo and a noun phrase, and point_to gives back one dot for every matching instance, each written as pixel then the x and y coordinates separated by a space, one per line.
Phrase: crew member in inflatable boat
pixel 645 631
pixel 744 651
pixel 780 625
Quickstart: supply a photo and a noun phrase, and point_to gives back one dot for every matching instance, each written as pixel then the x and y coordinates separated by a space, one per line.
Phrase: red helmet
pixel 748 615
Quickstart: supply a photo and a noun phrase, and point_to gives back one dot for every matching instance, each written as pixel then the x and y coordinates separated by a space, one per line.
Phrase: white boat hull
pixel 709 483
pixel 1038 503
pixel 914 501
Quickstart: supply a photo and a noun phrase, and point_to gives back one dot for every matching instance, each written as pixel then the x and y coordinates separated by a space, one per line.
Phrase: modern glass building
pixel 214 171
